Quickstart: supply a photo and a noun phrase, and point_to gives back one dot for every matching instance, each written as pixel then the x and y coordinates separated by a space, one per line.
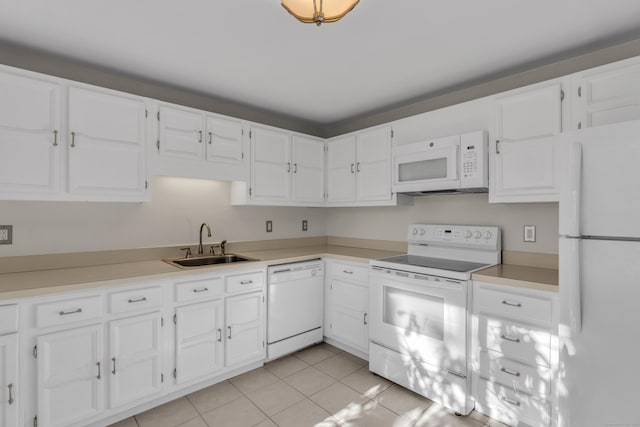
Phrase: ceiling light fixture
pixel 319 11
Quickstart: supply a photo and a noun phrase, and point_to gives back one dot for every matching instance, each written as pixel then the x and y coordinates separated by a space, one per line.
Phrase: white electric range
pixel 419 321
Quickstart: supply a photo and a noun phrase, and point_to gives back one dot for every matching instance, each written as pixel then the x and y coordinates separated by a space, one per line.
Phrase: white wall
pixel 173 217
pixel 390 223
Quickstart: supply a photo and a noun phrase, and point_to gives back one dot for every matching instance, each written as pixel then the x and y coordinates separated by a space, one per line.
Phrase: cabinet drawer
pixel 532 380
pixel 138 299
pixel 528 309
pixel 68 311
pixel 200 289
pixel 350 272
pixel 245 282
pixel 528 344
pixel 8 319
pixel 511 407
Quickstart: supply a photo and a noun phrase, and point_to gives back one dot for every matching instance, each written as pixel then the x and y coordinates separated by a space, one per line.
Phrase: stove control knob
pixel 468 234
pixel 487 235
pixel 422 231
pixel 477 234
pixel 414 231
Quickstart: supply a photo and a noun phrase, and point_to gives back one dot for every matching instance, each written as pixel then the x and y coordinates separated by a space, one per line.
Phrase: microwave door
pixel 427 170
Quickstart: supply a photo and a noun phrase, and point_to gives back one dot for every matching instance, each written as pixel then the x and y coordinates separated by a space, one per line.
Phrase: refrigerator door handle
pixel 573 281
pixel 570 197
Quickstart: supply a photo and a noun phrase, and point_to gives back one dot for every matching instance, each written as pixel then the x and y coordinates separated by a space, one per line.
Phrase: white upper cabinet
pixel 341 169
pixel 194 143
pixel 359 169
pixel 224 140
pixel 270 165
pixel 373 165
pixel 30 136
pixel 523 160
pixel 180 132
pixel 286 169
pixel 308 169
pixel 107 136
pixel 607 94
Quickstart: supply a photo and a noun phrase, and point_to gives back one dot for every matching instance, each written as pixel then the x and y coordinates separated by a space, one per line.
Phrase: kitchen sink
pixel 206 260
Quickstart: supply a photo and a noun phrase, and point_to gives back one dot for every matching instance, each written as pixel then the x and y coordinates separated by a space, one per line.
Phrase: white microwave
pixel 455 164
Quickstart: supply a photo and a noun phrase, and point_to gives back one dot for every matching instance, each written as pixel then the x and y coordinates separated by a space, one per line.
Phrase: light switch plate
pixel 529 233
pixel 6 234
pixel 305 225
pixel 269 226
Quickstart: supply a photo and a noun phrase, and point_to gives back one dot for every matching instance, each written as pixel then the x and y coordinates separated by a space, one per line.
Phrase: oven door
pixel 424 317
pixel 427 166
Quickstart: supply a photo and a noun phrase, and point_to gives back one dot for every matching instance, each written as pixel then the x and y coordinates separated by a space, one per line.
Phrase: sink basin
pixel 206 260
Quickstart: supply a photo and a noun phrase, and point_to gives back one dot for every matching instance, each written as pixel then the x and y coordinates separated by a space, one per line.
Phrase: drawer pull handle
pixel 246 282
pixel 512 304
pixel 99 370
pixel 11 394
pixel 508 338
pixel 509 401
pixel 64 313
pixel 510 372
pixel 229 327
pixel 113 359
pixel 219 335
pixel 201 290
pixel 137 300
pixel 347 271
pixel 454 373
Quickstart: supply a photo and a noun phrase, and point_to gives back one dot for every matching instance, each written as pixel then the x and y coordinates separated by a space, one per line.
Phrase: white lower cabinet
pixel 9 380
pixel 70 376
pixel 199 340
pixel 514 353
pixel 244 328
pixel 135 345
pixel 347 305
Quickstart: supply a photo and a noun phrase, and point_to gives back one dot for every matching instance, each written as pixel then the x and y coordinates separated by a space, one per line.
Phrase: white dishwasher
pixel 295 307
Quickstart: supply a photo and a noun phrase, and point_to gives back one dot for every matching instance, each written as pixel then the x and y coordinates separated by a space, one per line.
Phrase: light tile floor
pixel 319 386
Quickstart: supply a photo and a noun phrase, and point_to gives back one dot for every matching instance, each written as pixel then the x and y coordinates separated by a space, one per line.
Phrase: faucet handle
pixel 188 254
pixel 222 245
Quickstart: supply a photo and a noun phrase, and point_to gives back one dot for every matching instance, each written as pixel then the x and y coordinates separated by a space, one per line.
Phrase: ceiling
pixel 384 53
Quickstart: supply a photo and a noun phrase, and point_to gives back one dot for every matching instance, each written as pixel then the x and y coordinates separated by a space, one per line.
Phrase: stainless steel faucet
pixel 200 248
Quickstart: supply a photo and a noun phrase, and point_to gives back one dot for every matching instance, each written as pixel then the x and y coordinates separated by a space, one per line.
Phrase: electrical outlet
pixel 269 226
pixel 305 225
pixel 529 233
pixel 6 234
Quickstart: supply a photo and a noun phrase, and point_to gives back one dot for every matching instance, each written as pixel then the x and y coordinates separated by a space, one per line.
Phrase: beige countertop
pixel 543 279
pixel 42 282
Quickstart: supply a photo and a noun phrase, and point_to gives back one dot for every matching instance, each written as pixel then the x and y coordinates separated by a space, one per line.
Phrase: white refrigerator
pixel 599 328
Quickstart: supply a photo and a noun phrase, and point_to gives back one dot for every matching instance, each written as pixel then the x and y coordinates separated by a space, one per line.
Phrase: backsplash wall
pixel 173 217
pixel 390 223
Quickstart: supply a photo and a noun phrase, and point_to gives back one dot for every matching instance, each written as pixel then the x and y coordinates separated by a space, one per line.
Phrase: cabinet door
pixel 106 143
pixel 180 133
pixel 341 170
pixel 270 165
pixel 373 165
pixel 135 347
pixel 198 340
pixel 244 328
pixel 224 140
pixel 70 376
pixel 525 165
pixel 348 313
pixel 607 94
pixel 9 380
pixel 308 169
pixel 29 135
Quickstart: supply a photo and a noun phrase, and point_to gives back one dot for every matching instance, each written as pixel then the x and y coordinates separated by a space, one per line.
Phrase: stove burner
pixel 438 263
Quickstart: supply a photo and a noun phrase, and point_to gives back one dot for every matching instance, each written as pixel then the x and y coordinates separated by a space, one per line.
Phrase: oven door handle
pixel 400 278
